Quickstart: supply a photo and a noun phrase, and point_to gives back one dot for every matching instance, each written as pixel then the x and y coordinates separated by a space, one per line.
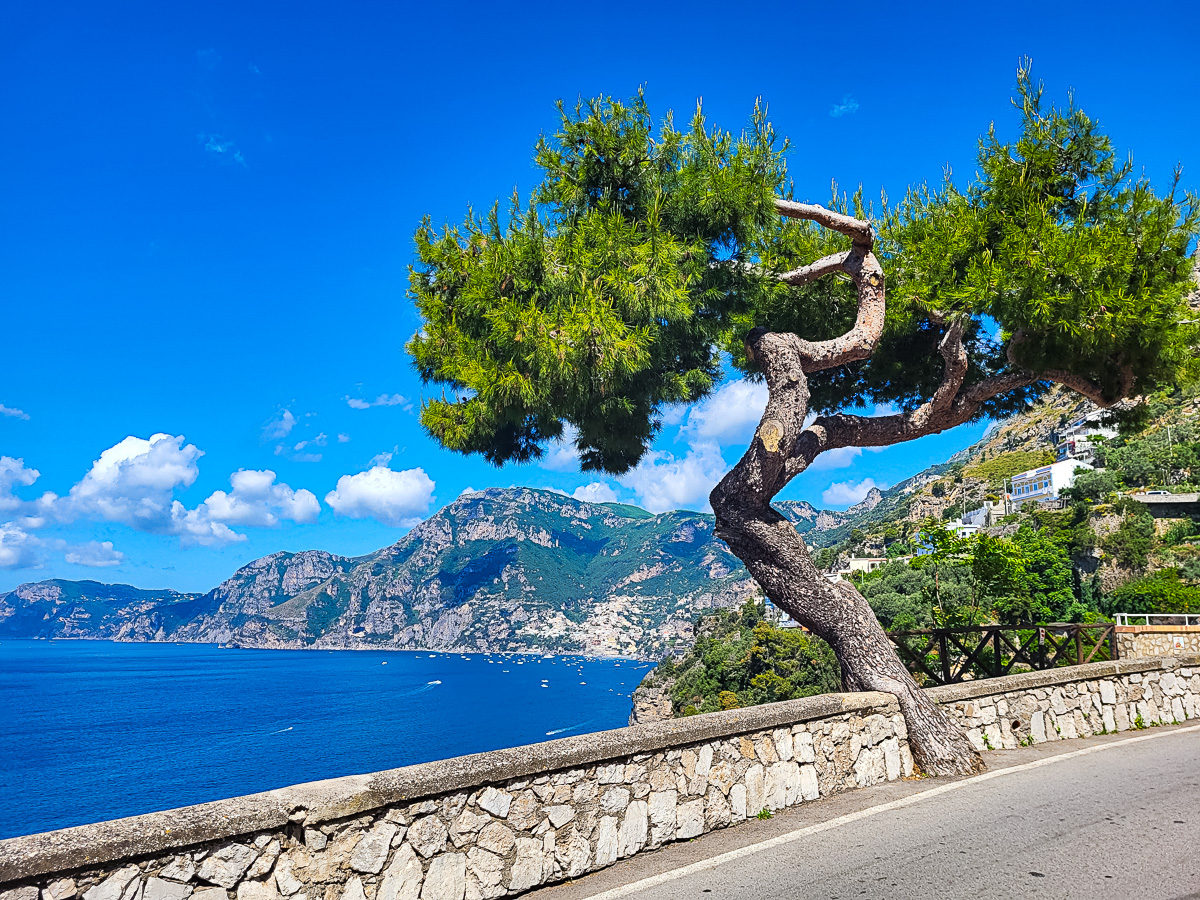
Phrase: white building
pixel 867 564
pixel 1043 483
pixel 1077 440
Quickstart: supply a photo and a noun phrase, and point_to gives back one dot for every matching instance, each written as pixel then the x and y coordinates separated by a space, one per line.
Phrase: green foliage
pixel 644 252
pixel 1161 592
pixel 1095 486
pixel 1131 542
pixel 739 659
pixel 1006 465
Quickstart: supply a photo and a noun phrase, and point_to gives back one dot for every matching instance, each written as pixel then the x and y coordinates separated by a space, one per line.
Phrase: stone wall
pixel 501 823
pixel 1134 641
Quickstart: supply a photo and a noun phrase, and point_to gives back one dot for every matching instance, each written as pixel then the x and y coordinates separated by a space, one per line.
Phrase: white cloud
pixel 561 456
pixel 383 458
pixel 19 549
pixel 133 483
pixel 14 413
pixel 596 492
pixel 662 482
pixel 319 441
pixel 343 438
pixel 13 474
pixel 845 493
pixel 381 400
pixel 393 498
pixel 838 458
pixel 847 107
pixel 97 554
pixel 257 500
pixel 730 415
pixel 280 427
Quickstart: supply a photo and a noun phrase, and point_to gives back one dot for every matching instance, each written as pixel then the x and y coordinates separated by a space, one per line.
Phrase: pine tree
pixel 646 253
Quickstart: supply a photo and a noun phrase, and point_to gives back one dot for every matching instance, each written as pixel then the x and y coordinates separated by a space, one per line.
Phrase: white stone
pixel 614 774
pixel 226 866
pixel 906 760
pixel 606 841
pixel 662 816
pixel 428 836
pixel 285 878
pixel 891 758
pixel 65 889
pixel 756 797
pixel 112 887
pixel 265 890
pixel 496 802
pixel 808 783
pixel 527 867
pixel 1037 728
pixel 262 866
pixel 446 878
pixel 575 857
pixel 181 868
pixel 560 815
pixel 402 880
pixel 802 747
pixel 487 867
pixel 161 889
pixel 210 893
pixel 25 892
pixel 615 800
pixel 371 852
pixel 352 891
pixel 691 819
pixel 314 839
pixel 737 801
pixel 634 828
pixel 704 761
pixel 776 785
pixel 783 743
pixel 1108 693
pixel 497 838
pixel 1109 722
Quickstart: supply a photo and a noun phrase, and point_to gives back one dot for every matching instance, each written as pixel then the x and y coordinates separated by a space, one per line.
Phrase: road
pixel 1106 817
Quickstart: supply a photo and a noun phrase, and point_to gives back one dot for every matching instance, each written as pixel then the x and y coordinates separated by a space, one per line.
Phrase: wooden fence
pixel 951 655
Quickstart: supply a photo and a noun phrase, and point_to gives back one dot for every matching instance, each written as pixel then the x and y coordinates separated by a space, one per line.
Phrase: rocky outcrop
pixel 651 703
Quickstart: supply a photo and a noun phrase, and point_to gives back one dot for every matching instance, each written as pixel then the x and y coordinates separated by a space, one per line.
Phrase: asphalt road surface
pixel 1119 820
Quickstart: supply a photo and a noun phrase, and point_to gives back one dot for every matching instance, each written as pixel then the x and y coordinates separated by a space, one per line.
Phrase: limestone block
pixel 65 889
pixel 721 776
pixel 737 802
pixel 612 774
pixel 497 838
pixel 746 748
pixel 266 861
pixel 878 729
pixel 285 877
pixel 1110 723
pixel 704 761
pixel 495 801
pixel 606 841
pixel 764 749
pixel 1037 728
pixel 1177 709
pixel 584 791
pixel 161 889
pixel 314 839
pixel 802 747
pixel 690 816
pixel 352 891
pixel 775 786
pixel 488 868
pixel 575 856
pixel 527 867
pixel 560 815
pixel 1057 702
pixel 525 811
pixel 210 893
pixel 975 736
pixel 113 887
pixel 869 768
pixel 466 826
pixel 25 892
pixel 446 878
pixel 906 760
pixel 428 835
pixel 265 890
pixel 402 880
pixel 756 795
pixel 634 828
pixel 615 800
pixel 634 772
pixel 661 808
pixel 891 758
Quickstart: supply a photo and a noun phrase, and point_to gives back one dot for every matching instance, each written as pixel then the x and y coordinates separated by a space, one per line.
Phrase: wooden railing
pixel 951 655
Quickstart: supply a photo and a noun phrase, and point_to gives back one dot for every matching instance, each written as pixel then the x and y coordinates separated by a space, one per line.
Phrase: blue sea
pixel 93 730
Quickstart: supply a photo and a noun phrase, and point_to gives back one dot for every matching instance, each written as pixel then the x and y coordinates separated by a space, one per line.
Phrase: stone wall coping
pixel 336 798
pixel 986 687
pixel 1157 629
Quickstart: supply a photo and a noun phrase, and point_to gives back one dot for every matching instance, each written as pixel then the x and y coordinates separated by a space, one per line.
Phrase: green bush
pixel 1162 592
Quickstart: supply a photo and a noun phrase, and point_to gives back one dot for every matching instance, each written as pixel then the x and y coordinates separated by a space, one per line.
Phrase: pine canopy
pixel 647 253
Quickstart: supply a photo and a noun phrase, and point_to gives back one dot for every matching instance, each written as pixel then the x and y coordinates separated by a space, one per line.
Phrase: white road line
pixel 731 855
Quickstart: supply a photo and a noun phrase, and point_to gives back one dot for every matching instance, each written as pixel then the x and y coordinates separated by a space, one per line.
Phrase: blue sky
pixel 207 214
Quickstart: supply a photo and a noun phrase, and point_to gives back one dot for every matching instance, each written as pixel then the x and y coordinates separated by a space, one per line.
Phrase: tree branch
pixel 826 265
pixel 1077 383
pixel 857 230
